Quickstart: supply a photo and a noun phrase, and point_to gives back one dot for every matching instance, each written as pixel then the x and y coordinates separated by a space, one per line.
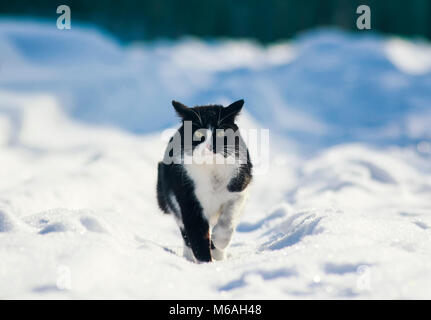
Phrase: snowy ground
pixel 343 211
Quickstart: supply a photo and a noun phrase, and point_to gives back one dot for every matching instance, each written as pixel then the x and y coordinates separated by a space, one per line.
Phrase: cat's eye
pixel 220 133
pixel 198 134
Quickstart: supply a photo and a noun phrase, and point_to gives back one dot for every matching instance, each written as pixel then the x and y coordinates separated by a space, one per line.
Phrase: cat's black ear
pixel 232 110
pixel 182 110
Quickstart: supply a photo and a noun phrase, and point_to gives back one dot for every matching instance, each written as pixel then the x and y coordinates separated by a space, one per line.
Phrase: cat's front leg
pixel 187 251
pixel 194 227
pixel 217 254
pixel 197 230
pixel 222 232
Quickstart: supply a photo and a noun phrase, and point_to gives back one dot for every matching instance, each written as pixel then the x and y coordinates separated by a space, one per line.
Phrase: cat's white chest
pixel 211 181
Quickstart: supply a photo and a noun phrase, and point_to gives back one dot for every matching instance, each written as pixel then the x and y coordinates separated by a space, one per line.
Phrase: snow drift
pixel 343 210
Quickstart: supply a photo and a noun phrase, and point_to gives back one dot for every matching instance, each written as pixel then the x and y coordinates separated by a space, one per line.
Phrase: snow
pixel 414 58
pixel 342 209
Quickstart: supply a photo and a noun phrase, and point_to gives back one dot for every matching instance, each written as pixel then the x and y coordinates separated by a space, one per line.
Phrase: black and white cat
pixel 203 178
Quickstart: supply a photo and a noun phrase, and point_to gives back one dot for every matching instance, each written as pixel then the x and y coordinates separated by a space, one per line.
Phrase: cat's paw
pixel 200 257
pixel 221 237
pixel 218 254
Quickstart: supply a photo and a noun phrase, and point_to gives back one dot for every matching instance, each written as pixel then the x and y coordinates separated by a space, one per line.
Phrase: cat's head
pixel 211 129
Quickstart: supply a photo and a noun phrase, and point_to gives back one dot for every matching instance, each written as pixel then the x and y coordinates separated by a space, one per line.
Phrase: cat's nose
pixel 208 146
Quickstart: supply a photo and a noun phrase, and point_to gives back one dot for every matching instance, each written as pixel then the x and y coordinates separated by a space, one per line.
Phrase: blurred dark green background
pixel 263 20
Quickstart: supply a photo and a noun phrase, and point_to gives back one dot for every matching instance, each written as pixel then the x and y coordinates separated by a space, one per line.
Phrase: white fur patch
pixel 211 181
pixel 177 211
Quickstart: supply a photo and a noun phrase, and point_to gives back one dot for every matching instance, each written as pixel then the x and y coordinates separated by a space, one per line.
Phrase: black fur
pixel 161 193
pixel 173 181
pixel 241 181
